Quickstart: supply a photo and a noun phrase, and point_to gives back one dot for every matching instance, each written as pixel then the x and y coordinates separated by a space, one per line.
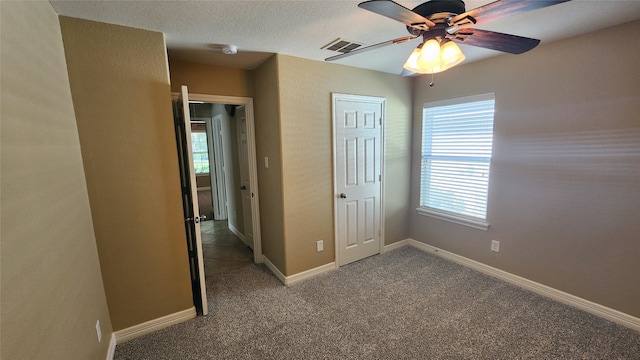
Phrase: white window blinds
pixel 457 138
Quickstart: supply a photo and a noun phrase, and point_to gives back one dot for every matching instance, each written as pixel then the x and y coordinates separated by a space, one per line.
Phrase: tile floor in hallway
pixel 222 250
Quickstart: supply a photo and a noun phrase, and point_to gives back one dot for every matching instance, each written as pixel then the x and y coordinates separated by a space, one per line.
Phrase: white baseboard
pixel 237 232
pixel 544 290
pixel 292 279
pixel 274 269
pixel 309 273
pixel 396 245
pixel 153 325
pixel 112 347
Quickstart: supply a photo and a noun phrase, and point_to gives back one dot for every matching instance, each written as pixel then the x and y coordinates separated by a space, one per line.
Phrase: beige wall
pixel 52 290
pixel 293 99
pixel 210 80
pixel 267 129
pixel 305 89
pixel 564 195
pixel 120 87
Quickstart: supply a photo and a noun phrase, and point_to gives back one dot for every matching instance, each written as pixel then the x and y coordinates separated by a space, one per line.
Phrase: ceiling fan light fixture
pixel 433 57
pixel 412 62
pixel 429 58
pixel 450 55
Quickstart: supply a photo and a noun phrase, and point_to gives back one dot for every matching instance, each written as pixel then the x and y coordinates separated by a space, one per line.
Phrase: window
pixel 457 137
pixel 200 152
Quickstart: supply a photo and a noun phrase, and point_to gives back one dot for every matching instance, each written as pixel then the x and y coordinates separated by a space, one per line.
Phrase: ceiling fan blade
pixel 508 43
pixel 500 9
pixel 398 12
pixel 371 47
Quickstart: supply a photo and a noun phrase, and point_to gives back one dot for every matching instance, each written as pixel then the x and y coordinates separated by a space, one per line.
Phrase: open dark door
pixel 192 217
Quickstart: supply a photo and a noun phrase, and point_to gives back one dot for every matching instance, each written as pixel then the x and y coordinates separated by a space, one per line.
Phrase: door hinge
pixel 380 121
pixel 379 177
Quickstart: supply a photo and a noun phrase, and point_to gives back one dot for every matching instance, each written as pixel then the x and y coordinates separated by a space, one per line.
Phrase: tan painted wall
pixel 52 290
pixel 307 153
pixel 564 198
pixel 267 129
pixel 210 80
pixel 120 87
pixel 286 87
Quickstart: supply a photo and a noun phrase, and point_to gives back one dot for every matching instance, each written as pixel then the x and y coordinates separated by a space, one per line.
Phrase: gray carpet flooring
pixel 405 304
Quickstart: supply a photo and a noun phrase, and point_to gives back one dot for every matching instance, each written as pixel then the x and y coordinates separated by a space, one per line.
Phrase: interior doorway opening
pixel 248 181
pixel 220 155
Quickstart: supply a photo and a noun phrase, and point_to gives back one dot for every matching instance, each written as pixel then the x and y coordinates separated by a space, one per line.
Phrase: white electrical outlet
pixel 98 331
pixel 495 245
pixel 319 245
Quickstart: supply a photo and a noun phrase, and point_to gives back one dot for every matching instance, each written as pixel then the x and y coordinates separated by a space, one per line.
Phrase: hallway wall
pixel 122 99
pixel 52 288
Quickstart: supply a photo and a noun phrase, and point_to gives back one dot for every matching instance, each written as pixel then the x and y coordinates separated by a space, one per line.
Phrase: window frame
pixel 455 217
pixel 194 153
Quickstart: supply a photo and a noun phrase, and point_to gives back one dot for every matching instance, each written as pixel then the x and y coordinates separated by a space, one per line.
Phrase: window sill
pixel 454 218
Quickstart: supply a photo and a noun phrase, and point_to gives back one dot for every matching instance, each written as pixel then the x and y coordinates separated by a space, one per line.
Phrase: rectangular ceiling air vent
pixel 342 45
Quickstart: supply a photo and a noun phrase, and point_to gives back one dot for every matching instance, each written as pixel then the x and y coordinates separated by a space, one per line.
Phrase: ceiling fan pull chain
pixel 431 84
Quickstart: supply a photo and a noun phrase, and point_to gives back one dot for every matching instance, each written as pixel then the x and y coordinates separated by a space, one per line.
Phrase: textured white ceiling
pixel 195 30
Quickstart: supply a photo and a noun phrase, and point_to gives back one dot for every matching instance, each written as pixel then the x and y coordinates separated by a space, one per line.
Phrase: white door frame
pixel 253 170
pixel 334 98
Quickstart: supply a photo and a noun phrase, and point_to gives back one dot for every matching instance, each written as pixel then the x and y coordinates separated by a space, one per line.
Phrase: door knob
pixel 243 187
pixel 343 196
pixel 197 219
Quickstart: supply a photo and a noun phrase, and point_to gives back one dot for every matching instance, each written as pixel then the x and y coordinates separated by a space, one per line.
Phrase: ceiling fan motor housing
pixel 440 6
pixel 438 11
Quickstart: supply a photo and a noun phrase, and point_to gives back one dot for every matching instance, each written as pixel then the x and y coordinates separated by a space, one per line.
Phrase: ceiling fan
pixel 443 23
